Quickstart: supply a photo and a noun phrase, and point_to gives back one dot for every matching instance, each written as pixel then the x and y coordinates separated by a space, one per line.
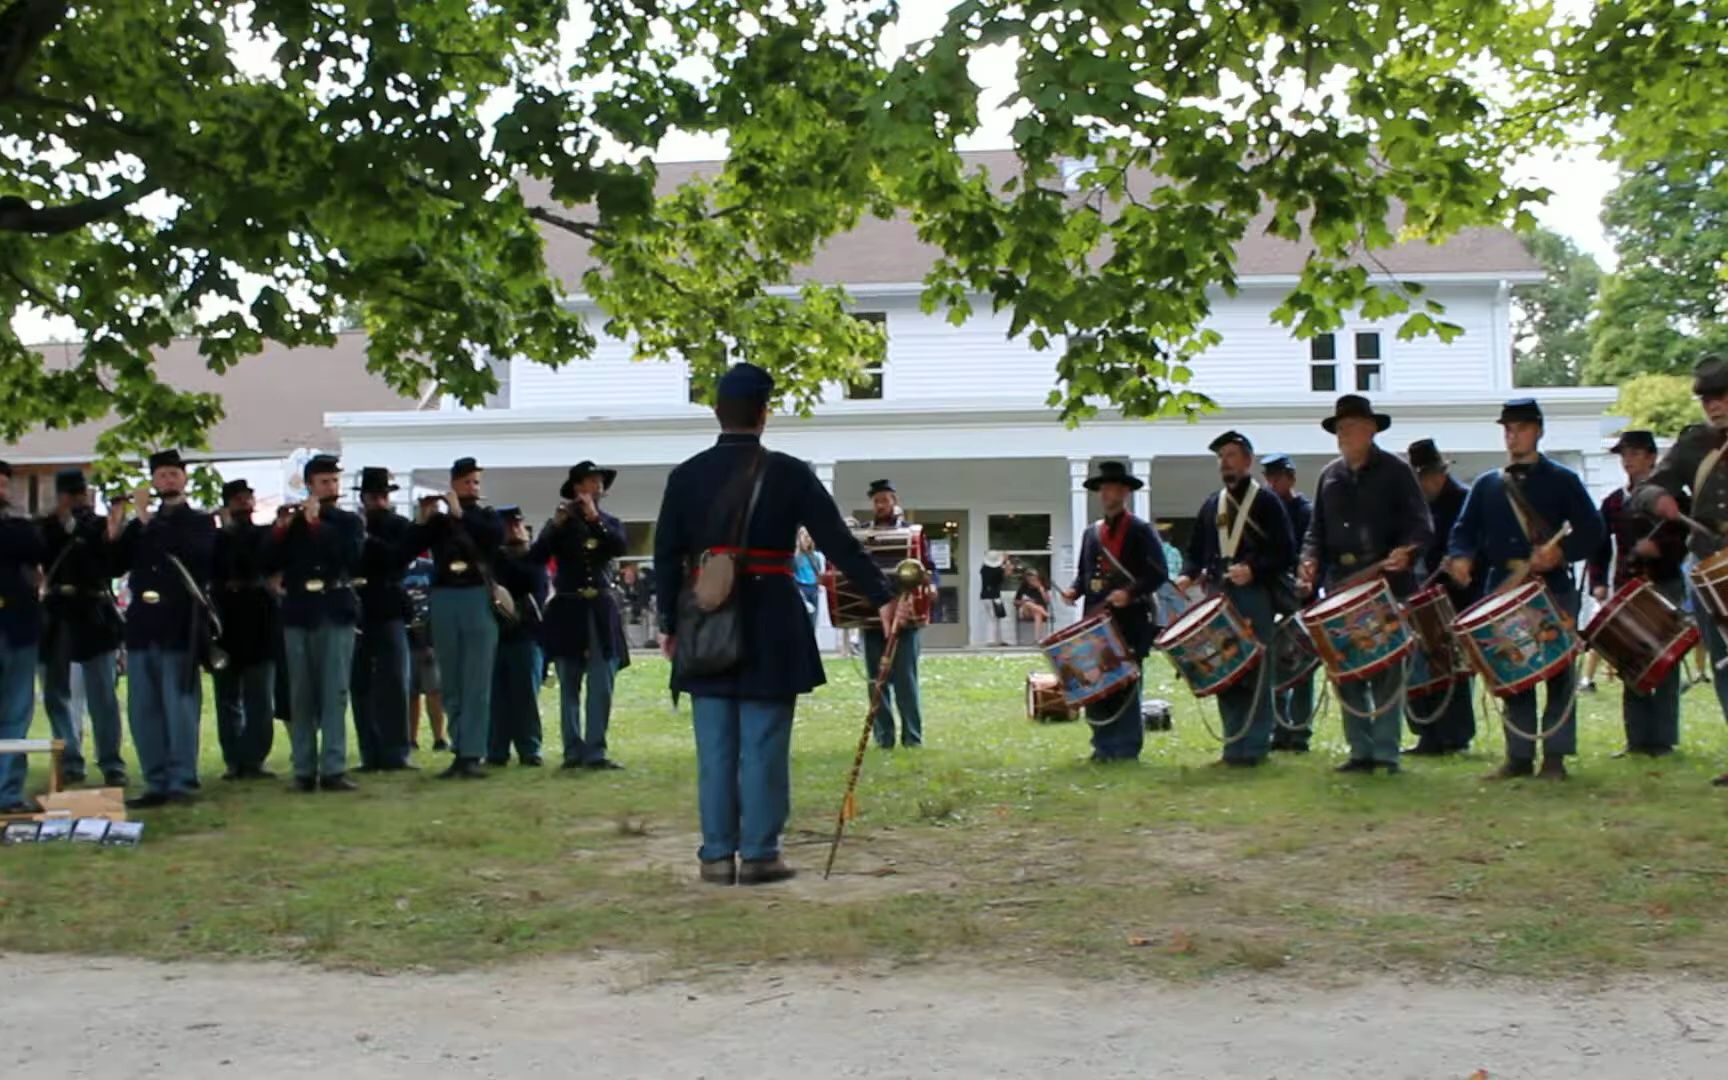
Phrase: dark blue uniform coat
pixel 142 551
pixel 584 551
pixel 1143 558
pixel 328 552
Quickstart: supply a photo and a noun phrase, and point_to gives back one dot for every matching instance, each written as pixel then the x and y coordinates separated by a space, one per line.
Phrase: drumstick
pixel 1516 578
pixel 1699 526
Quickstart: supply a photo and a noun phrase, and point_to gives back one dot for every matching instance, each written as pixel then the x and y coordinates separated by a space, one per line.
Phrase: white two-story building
pixel 956 417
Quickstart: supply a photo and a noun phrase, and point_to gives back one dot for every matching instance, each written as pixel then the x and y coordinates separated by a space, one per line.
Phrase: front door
pixel 951 622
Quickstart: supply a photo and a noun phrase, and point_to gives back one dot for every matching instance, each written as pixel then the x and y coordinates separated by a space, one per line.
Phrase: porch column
pixel 1142 467
pixel 825 473
pixel 1078 468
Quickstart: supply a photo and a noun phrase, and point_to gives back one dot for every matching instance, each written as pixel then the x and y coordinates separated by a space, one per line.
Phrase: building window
pixel 1323 364
pixel 1025 539
pixel 867 384
pixel 1368 369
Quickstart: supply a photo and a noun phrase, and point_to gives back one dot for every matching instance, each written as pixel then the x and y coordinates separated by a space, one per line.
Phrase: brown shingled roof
pixel 889 252
pixel 275 401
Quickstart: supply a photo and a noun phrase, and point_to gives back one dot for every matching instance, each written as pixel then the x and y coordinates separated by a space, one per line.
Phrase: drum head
pixel 1347 598
pixel 1198 615
pixel 1491 607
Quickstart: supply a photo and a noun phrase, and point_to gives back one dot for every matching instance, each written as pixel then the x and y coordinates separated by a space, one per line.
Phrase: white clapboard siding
pixel 931 361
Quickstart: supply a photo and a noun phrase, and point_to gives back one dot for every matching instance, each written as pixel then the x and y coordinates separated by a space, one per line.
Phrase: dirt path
pixel 75 1017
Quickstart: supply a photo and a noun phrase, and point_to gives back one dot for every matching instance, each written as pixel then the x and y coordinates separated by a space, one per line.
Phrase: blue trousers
pixel 586 744
pixel 902 688
pixel 1118 733
pixel 515 701
pixel 1296 707
pixel 17 703
pixel 1717 650
pixel 246 713
pixel 101 696
pixel 320 659
pixel 1246 708
pixel 1455 724
pixel 1373 733
pixel 380 689
pixel 1521 708
pixel 465 637
pixel 164 700
pixel 743 775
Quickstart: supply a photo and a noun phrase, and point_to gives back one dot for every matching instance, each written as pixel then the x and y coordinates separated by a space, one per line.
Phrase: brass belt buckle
pixel 314 585
pixel 66 590
pixel 591 543
pixel 2 602
pixel 150 596
pixel 588 593
pixel 1347 559
pixel 1097 584
pixel 359 583
pixel 458 567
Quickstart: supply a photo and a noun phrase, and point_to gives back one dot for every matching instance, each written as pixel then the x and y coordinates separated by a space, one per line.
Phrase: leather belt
pixel 243 585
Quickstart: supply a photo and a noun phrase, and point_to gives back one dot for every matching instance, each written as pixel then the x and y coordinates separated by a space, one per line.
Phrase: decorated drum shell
pixel 1436 662
pixel 1642 633
pixel 1090 660
pixel 1212 647
pixel 1359 631
pixel 1517 639
pixel 1293 655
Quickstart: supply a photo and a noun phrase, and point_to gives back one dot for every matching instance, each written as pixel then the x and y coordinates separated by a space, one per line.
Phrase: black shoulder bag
pixel 710 631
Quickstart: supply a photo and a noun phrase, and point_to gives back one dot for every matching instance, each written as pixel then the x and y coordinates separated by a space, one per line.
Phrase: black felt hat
pixel 70 482
pixel 583 470
pixel 375 480
pixel 1355 407
pixel 1710 376
pixel 1113 472
pixel 1634 440
pixel 233 488
pixel 1425 457
pixel 165 459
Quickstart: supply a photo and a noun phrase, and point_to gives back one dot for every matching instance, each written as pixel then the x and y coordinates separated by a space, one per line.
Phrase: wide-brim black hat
pixel 1113 472
pixel 235 487
pixel 166 459
pixel 375 480
pixel 1710 376
pixel 582 471
pixel 1354 407
pixel 1425 457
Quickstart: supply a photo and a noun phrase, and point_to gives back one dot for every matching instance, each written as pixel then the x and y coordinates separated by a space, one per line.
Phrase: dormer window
pixel 867 384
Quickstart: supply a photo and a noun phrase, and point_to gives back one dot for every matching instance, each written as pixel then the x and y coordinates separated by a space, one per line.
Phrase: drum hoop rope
pixel 1569 715
pixel 1418 720
pixel 1126 699
pixel 1259 689
pixel 1399 699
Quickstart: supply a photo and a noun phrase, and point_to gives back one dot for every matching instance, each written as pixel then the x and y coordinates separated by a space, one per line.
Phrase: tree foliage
pixel 372 160
pixel 1666 306
pixel 1550 321
pixel 1660 403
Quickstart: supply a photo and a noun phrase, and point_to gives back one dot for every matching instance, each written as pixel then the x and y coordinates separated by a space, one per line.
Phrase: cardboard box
pixel 108 802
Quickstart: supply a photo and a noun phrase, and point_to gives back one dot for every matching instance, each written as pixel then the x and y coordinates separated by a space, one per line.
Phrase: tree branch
pixel 588 230
pixel 23 25
pixel 17 215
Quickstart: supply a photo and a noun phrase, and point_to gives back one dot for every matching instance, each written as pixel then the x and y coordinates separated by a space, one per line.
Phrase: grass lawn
pixel 995 844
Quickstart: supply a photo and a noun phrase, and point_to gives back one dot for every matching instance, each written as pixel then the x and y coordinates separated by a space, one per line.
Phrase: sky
pixel 1578 179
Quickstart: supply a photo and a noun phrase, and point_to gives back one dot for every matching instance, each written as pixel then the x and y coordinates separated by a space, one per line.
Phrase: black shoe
pixel 603 763
pixel 305 783
pixel 464 769
pixel 256 772
pixel 147 801
pixel 764 871
pixel 440 746
pixel 571 763
pixel 194 784
pixel 31 808
pixel 498 762
pixel 114 779
pixel 1356 765
pixel 1513 770
pixel 720 871
pixel 232 773
pixel 339 782
pixel 533 761
pixel 72 779
pixel 1720 781
pixel 1553 768
pixel 182 798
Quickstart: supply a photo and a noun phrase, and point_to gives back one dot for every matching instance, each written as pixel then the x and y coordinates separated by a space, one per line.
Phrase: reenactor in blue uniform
pixel 1121 568
pixel 1694 466
pixel 1242 546
pixel 1293 708
pixel 464 539
pixel 902 690
pixel 1507 526
pixel 251 636
pixel 1442 725
pixel 584 631
pixel 380 683
pixel 166 556
pixel 1636 546
pixel 518 671
pixel 316 549
pixel 83 628
pixel 743 716
pixel 21 554
pixel 1368 511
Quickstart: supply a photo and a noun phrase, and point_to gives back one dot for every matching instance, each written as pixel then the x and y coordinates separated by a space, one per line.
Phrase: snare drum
pixel 1090 660
pixel 1709 578
pixel 1642 633
pixel 1435 664
pixel 848 607
pixel 1518 638
pixel 1293 655
pixel 1044 699
pixel 1359 631
pixel 1211 645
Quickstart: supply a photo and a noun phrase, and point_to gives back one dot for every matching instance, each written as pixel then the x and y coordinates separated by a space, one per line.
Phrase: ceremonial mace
pixel 909 577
